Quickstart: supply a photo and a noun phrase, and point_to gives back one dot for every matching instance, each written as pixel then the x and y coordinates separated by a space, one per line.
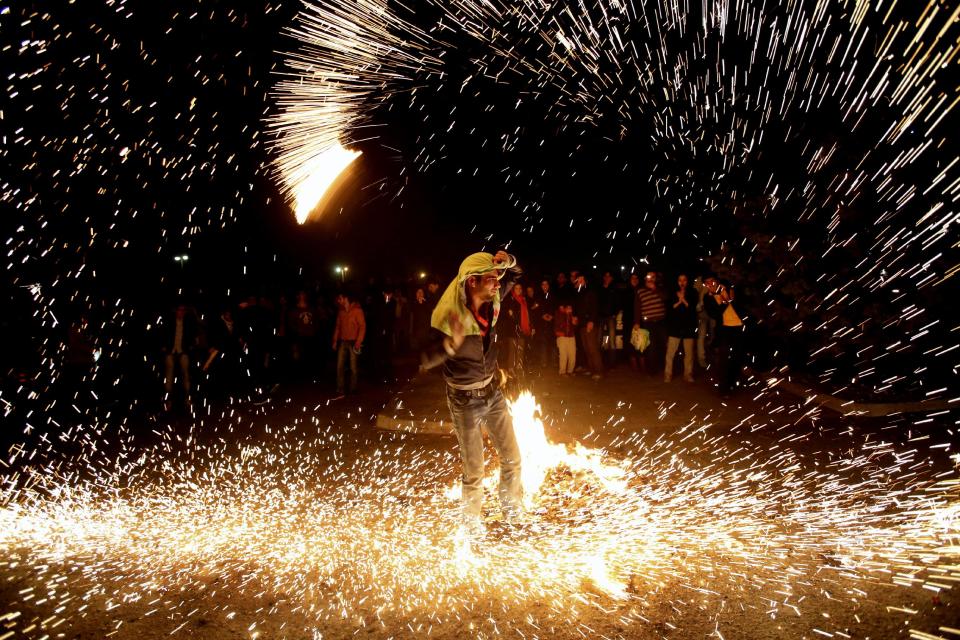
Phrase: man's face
pixel 634 280
pixel 711 284
pixel 545 286
pixel 342 302
pixel 484 286
pixel 421 297
pixel 682 281
pixel 650 281
pixel 432 287
pixel 607 279
pixel 561 279
pixel 518 290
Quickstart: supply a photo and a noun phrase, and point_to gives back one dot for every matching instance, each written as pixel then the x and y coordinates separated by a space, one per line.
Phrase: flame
pixel 321 172
pixel 539 456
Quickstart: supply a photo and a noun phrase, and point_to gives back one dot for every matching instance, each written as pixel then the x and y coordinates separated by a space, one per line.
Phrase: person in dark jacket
pixel 517 330
pixel 681 325
pixel 609 308
pixel 721 304
pixel 586 313
pixel 563 292
pixel 303 322
pixel 225 356
pixel 465 344
pixel 432 293
pixel 180 335
pixel 629 295
pixel 420 310
pixel 253 317
pixel 542 310
pixel 382 319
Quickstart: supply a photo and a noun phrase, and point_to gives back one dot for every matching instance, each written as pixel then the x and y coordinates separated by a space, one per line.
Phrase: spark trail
pixel 823 126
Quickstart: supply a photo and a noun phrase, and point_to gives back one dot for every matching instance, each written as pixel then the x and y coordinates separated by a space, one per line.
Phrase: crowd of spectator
pixel 247 349
pixel 570 324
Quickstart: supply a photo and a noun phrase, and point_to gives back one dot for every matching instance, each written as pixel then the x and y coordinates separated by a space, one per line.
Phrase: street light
pixel 342 271
pixel 422 275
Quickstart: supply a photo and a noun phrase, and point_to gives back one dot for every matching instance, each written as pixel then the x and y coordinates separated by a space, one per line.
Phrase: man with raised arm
pixel 465 343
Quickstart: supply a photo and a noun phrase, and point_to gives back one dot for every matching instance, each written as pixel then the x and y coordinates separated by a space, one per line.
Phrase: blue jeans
pixel 468 409
pixel 344 351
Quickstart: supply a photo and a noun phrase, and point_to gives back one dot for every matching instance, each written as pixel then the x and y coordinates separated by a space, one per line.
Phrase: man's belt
pixel 473 386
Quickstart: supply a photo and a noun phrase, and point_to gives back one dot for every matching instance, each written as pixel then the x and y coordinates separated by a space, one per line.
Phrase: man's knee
pixel 472 478
pixel 510 464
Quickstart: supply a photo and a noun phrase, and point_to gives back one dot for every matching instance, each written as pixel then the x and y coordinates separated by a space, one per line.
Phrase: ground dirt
pixel 63 593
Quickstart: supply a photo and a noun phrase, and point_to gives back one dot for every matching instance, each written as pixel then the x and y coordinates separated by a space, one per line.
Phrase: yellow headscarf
pixel 454 299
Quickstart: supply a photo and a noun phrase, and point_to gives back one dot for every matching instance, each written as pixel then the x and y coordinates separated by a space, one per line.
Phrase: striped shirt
pixel 649 306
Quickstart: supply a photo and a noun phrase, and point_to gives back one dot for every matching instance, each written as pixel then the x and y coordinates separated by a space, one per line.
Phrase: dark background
pixel 185 90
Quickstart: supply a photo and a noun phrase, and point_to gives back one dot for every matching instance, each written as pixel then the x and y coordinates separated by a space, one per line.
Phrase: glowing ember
pixel 321 171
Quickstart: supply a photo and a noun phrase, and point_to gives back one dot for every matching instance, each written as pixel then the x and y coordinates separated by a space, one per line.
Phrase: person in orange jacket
pixel 348 339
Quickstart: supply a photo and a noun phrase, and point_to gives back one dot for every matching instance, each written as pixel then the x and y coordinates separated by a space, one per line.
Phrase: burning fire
pixel 320 173
pixel 540 456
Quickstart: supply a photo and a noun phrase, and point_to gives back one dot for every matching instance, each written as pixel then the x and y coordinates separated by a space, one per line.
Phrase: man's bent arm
pixel 438 350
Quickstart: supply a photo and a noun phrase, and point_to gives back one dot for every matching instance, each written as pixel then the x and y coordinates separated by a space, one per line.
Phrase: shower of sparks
pixel 831 116
pixel 375 538
pixel 351 53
